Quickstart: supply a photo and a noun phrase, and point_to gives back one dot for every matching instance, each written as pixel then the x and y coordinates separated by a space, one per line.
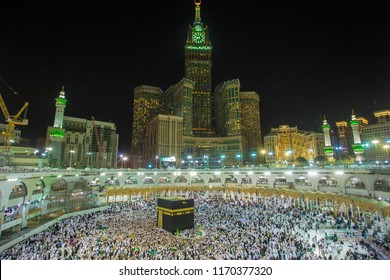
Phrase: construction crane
pixel 101 146
pixel 12 121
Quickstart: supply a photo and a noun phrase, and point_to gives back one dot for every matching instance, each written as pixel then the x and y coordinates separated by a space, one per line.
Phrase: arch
pixel 112 181
pixel 39 187
pixel 95 182
pixel 18 190
pixel 131 180
pixel 81 185
pixel 262 180
pixel 164 180
pixel 246 180
pixel 214 179
pixel 381 185
pixel 180 179
pixel 197 179
pixel 354 183
pixel 302 181
pixel 301 161
pixel 148 180
pixel 280 181
pixel 320 160
pixel 327 181
pixel 59 185
pixel 230 179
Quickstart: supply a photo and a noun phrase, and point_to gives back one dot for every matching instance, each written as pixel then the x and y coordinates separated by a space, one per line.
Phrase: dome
pixel 301 161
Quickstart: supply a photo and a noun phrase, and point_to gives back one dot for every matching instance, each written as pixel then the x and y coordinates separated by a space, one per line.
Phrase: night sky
pixel 304 58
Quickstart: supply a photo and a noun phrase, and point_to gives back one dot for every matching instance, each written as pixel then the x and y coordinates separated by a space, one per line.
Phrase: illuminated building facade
pixel 198 64
pixel 250 121
pixel 80 148
pixel 344 145
pixel 223 151
pixel 232 132
pixel 147 105
pixel 72 142
pixel 165 139
pixel 177 101
pixel 286 144
pixel 376 137
pixel 238 113
pixel 227 108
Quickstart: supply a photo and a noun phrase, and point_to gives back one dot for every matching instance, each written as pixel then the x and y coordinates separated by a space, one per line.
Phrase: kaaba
pixel 175 213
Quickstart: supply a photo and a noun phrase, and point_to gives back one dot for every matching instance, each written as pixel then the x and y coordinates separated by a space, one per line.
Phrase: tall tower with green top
pixel 56 132
pixel 198 64
pixel 357 143
pixel 328 149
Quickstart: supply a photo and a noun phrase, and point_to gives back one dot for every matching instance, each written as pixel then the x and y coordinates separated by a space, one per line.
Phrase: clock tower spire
pixel 198 64
pixel 197 11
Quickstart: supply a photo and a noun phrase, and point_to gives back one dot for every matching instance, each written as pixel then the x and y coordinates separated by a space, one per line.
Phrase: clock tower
pixel 198 64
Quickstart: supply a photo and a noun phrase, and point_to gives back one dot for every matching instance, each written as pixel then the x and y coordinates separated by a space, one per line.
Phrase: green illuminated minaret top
pixel 60 108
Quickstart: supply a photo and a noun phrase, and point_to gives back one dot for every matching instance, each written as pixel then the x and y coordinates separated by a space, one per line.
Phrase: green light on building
pixel 325 126
pixel 328 150
pixel 61 101
pixel 358 148
pixel 57 133
pixel 198 47
pixel 354 123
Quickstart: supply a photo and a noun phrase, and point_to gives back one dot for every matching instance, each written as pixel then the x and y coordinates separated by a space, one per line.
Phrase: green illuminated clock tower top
pixel 198 64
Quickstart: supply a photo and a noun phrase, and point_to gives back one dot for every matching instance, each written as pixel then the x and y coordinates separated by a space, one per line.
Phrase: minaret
pixel 60 109
pixel 357 143
pixel 57 132
pixel 328 149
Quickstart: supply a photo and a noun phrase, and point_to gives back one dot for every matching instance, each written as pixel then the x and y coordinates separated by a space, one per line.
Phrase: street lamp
pixel 263 155
pixel 121 160
pixel 189 157
pixel 124 162
pixel 156 161
pixel 288 153
pixel 88 156
pixel 254 158
pixel 239 159
pixel 223 161
pixel 386 147
pixel 70 158
pixel 375 142
pixel 49 149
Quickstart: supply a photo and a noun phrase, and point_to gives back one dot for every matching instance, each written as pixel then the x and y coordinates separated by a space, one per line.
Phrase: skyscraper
pixel 376 137
pixel 250 123
pixel 177 101
pixel 228 139
pixel 227 108
pixel 147 105
pixel 165 139
pixel 198 64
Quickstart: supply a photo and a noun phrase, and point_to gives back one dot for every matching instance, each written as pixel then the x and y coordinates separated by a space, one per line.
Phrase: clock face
pixel 198 37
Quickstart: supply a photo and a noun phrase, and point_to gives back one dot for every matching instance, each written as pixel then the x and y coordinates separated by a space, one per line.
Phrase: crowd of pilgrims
pixel 224 230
